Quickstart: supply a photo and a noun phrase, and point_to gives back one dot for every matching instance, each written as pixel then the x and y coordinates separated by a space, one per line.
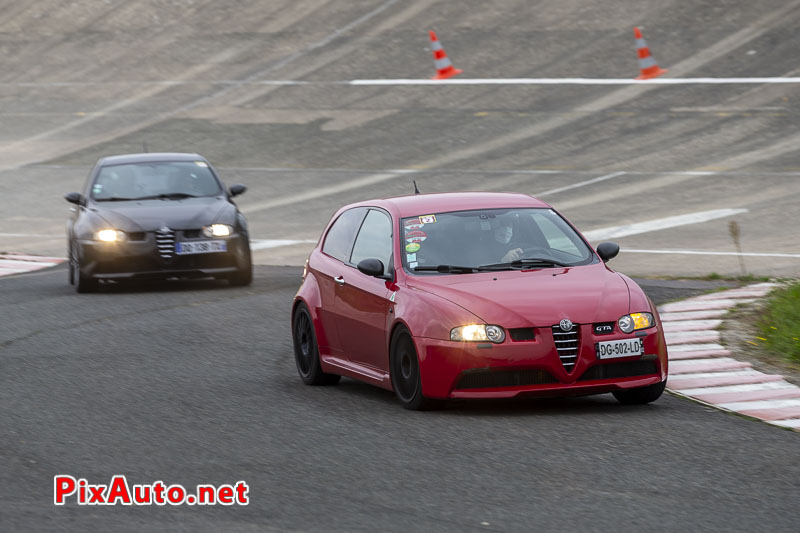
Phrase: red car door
pixel 328 268
pixel 362 301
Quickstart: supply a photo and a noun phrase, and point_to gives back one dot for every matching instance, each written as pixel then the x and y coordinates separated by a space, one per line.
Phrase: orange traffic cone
pixel 647 63
pixel 444 68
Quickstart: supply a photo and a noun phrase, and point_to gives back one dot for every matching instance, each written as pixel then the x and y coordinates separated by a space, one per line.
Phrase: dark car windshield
pixel 147 180
pixel 491 239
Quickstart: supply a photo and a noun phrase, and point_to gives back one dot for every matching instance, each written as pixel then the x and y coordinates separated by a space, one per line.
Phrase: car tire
pixel 244 276
pixel 83 284
pixel 640 395
pixel 405 373
pixel 306 350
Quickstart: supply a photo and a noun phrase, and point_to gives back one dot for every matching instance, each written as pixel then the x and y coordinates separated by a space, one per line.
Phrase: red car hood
pixel 584 294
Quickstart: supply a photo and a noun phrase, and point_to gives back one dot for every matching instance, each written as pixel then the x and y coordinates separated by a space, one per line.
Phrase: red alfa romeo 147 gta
pixel 469 295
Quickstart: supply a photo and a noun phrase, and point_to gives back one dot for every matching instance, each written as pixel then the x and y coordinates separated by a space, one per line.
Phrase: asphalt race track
pixel 195 382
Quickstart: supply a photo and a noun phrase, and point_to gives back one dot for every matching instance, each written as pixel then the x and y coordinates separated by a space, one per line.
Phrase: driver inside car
pixel 500 245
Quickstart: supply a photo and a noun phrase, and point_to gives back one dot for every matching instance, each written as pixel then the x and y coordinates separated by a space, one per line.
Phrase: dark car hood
pixel 150 215
pixel 584 294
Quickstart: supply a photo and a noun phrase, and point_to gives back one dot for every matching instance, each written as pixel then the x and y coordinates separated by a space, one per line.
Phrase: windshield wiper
pixel 530 261
pixel 115 199
pixel 167 196
pixel 447 269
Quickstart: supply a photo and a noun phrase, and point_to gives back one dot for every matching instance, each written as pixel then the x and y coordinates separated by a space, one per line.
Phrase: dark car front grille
pixel 625 369
pixel 567 344
pixel 165 242
pixel 484 378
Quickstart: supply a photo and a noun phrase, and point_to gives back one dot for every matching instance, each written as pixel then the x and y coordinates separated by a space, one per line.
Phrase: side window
pixel 339 241
pixel 374 241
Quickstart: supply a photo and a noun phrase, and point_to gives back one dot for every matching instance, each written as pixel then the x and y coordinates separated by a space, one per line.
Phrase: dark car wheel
pixel 640 395
pixel 405 374
pixel 243 276
pixel 82 283
pixel 306 352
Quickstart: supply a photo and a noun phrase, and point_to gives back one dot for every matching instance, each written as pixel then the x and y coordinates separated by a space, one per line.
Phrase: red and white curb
pixel 702 369
pixel 14 263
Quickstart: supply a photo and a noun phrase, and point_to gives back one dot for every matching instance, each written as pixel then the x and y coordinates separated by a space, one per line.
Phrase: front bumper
pixel 141 260
pixel 533 368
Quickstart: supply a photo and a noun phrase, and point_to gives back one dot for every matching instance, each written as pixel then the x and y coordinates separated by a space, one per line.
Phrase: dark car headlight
pixel 110 235
pixel 218 230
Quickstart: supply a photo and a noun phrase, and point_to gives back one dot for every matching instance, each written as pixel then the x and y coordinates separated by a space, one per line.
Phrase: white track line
pixel 793 423
pixel 774 385
pixel 401 81
pixel 760 404
pixel 264 244
pixel 704 252
pixel 580 184
pixel 574 81
pixel 615 232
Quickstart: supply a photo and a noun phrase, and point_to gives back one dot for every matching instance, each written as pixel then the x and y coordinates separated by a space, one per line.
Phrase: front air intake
pixel 483 378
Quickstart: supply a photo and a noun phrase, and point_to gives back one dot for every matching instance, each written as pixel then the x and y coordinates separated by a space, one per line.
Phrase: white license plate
pixel 200 247
pixel 622 348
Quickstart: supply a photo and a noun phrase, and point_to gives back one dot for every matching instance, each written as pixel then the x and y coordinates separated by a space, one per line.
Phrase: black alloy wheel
pixel 405 374
pixel 306 352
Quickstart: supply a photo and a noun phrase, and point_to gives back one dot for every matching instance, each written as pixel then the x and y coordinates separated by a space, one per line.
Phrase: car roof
pixel 422 204
pixel 149 158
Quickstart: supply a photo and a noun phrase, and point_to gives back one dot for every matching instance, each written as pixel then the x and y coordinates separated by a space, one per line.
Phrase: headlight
pixel 217 230
pixel 109 235
pixel 635 321
pixel 478 333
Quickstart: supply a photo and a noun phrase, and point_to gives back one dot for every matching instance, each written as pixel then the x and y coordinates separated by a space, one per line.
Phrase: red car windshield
pixel 490 238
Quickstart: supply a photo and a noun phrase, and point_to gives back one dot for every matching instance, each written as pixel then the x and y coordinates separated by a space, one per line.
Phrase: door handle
pixel 339 280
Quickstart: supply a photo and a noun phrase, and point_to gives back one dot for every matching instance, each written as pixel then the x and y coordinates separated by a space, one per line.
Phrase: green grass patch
pixel 780 323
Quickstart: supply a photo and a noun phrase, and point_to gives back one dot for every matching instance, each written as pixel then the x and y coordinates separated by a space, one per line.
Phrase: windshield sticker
pixel 413 265
pixel 201 164
pixel 427 219
pixel 411 257
pixel 412 247
pixel 98 187
pixel 416 236
pixel 486 225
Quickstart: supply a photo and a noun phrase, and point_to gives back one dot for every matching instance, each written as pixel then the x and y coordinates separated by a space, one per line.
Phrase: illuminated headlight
pixel 478 333
pixel 217 230
pixel 635 321
pixel 109 235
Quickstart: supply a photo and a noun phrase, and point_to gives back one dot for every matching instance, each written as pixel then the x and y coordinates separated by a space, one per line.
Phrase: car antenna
pixel 416 189
pixel 144 147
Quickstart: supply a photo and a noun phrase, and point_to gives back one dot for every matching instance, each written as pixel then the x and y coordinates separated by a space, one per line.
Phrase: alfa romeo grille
pixel 567 343
pixel 165 242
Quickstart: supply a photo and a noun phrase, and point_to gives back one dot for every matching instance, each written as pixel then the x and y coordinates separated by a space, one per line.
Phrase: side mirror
pixel 236 190
pixel 607 251
pixel 372 267
pixel 74 198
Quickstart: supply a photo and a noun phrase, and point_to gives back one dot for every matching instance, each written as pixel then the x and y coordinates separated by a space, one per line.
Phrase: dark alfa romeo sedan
pixel 145 216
